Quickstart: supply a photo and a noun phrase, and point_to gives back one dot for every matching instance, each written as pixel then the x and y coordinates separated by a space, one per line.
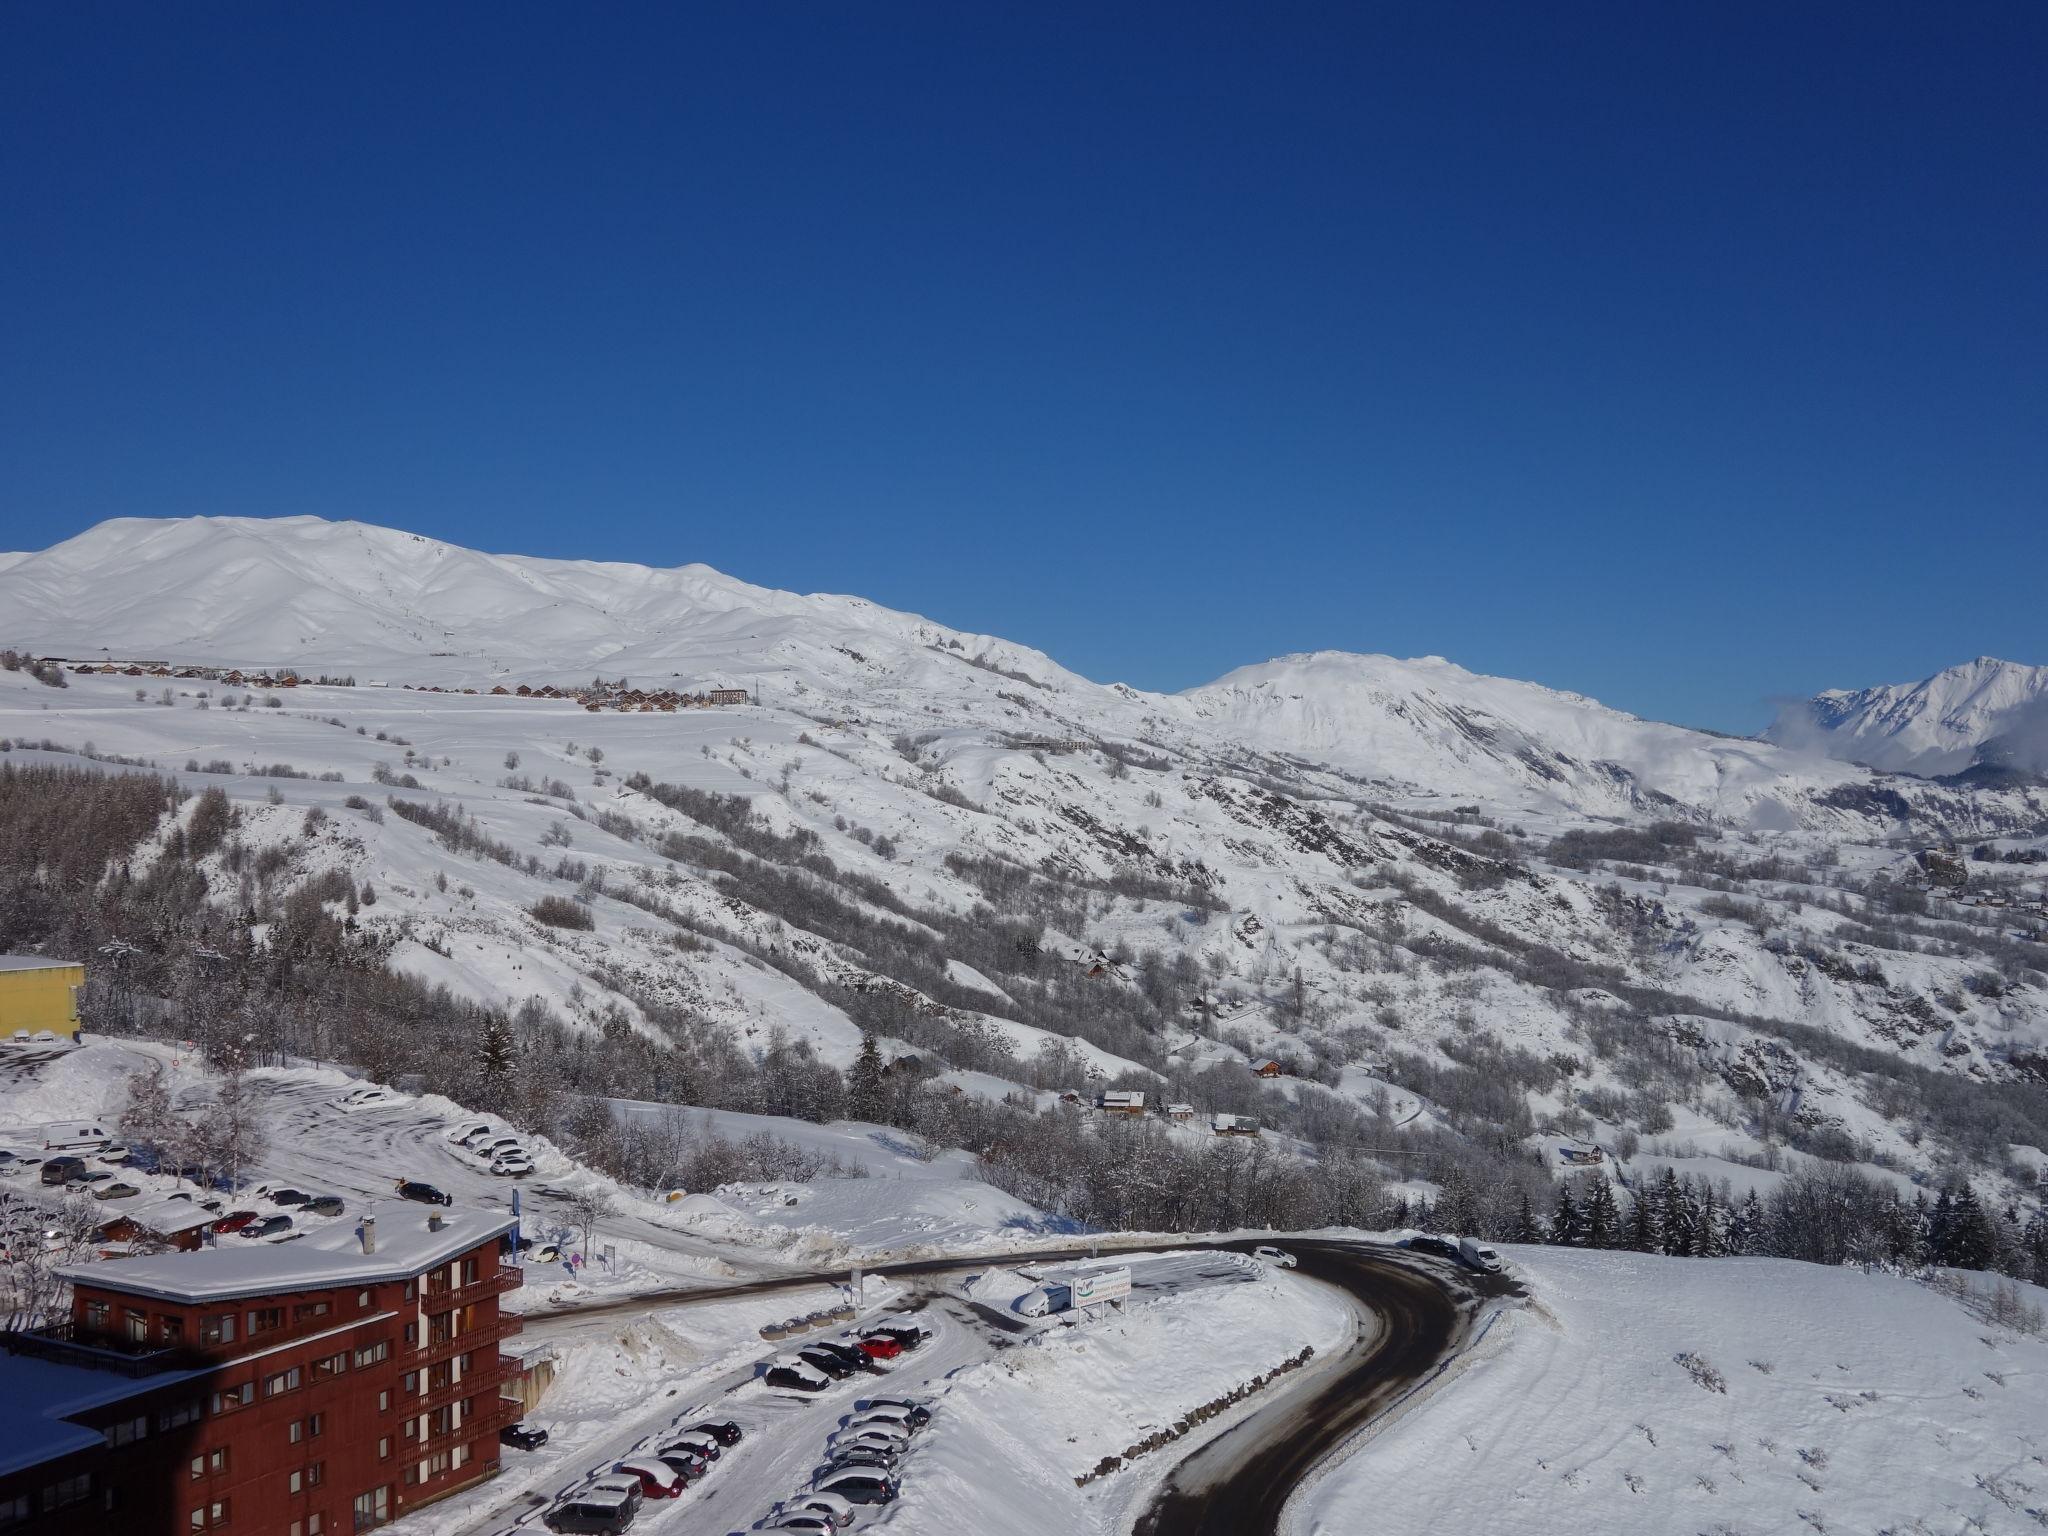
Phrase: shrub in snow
pixel 1700 1371
pixel 561 912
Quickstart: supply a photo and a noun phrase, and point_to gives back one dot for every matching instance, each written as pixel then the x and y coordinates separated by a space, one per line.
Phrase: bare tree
pixel 587 1207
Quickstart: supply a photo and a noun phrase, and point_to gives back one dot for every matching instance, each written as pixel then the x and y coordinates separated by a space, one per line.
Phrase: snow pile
pixel 1737 1397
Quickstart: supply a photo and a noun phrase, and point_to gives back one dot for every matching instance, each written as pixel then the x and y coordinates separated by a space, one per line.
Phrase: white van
pixel 1479 1256
pixel 70 1135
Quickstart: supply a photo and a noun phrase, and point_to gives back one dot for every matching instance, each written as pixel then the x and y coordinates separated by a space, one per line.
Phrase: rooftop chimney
pixel 369 1234
pixel 433 1221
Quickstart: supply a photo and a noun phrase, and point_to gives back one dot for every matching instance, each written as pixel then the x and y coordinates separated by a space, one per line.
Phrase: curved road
pixel 1237 1483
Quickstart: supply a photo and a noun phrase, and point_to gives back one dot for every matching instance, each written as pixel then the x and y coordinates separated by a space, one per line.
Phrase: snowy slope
pixel 1845 1402
pixel 1984 711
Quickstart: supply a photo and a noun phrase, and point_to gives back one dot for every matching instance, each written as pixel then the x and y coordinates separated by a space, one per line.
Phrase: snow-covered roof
pixel 406 1246
pixel 166 1216
pixel 36 963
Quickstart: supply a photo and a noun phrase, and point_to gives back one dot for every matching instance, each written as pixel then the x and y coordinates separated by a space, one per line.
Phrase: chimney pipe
pixel 433 1221
pixel 369 1234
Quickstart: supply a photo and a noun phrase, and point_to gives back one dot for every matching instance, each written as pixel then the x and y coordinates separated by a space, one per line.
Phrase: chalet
pixel 1180 1113
pixel 729 696
pixel 523 691
pixel 1269 1068
pixel 163 1223
pixel 1233 1125
pixel 1120 1103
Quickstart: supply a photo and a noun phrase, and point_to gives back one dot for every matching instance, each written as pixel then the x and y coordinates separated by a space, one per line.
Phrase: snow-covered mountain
pixel 1986 712
pixel 1431 722
pixel 350 598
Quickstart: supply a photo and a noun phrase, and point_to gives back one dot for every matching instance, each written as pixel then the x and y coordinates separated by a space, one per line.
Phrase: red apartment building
pixel 319 1387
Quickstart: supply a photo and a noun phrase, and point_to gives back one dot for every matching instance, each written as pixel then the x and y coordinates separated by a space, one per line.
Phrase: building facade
pixel 38 994
pixel 304 1389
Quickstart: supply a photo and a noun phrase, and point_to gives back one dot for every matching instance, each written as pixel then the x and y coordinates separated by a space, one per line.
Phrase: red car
pixel 234 1221
pixel 880 1347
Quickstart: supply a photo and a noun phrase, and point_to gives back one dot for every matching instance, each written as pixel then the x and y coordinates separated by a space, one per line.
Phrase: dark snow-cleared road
pixel 1237 1483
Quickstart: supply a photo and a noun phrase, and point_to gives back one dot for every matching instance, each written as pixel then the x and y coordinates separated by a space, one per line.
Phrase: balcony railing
pixel 503 1326
pixel 508 1277
pixel 101 1351
pixel 493 1414
pixel 471 1383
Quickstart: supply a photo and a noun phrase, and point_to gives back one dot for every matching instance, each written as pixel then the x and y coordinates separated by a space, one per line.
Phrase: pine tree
pixel 1679 1217
pixel 1746 1227
pixel 1644 1235
pixel 1707 1240
pixel 1567 1226
pixel 1457 1206
pixel 1527 1228
pixel 495 1049
pixel 1972 1244
pixel 867 1085
pixel 1603 1216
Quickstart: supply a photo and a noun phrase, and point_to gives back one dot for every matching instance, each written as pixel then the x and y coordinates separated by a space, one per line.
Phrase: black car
pixel 325 1205
pixel 58 1169
pixel 703 1447
pixel 290 1197
pixel 1423 1242
pixel 727 1433
pixel 792 1380
pixel 525 1436
pixel 920 1415
pixel 857 1485
pixel 909 1338
pixel 847 1355
pixel 426 1194
pixel 688 1468
pixel 592 1514
pixel 820 1360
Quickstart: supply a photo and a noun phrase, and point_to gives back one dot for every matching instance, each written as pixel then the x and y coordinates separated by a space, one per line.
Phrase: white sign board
pixel 1095 1286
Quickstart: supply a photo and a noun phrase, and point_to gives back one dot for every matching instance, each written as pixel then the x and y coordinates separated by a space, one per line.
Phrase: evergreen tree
pixel 1745 1227
pixel 1643 1235
pixel 1678 1216
pixel 1527 1229
pixel 1457 1205
pixel 1567 1226
pixel 494 1048
pixel 867 1087
pixel 1603 1216
pixel 1708 1242
pixel 1971 1241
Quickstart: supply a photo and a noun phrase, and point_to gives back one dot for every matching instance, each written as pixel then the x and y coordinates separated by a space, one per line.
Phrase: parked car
pixel 496 1146
pixel 908 1337
pixel 802 1522
pixel 658 1480
pixel 115 1191
pixel 426 1194
pixel 370 1096
pixel 234 1221
pixel 325 1205
pixel 593 1512
pixel 703 1447
pixel 113 1154
pixel 826 1362
pixel 60 1169
pixel 1479 1255
pixel 858 1485
pixel 269 1226
pixel 289 1198
pixel 725 1432
pixel 848 1355
pixel 796 1376
pixel 880 1346
pixel 887 1437
pixel 873 1458
pixel 526 1437
pixel 1437 1247
pixel 811 1501
pixel 689 1468
pixel 87 1179
pixel 907 1420
pixel 462 1133
pixel 920 1414
pixel 516 1165
pixel 624 1484
pixel 544 1253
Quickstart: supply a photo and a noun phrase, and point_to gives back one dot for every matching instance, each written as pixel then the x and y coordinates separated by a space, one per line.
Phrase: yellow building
pixel 37 995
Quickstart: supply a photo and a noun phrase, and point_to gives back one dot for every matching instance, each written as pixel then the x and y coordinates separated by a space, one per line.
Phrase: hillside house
pixel 1268 1068
pixel 1233 1125
pixel 729 696
pixel 1121 1103
pixel 1180 1114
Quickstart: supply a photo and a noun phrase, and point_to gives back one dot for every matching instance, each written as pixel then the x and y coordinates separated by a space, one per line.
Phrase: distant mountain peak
pixel 1982 712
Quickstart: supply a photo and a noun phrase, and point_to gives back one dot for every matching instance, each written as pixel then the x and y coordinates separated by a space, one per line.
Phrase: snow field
pixel 1811 1399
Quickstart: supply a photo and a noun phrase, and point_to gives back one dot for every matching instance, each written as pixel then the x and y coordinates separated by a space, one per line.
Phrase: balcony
pixel 503 1326
pixel 481 1379
pixel 102 1351
pixel 508 1277
pixel 492 1415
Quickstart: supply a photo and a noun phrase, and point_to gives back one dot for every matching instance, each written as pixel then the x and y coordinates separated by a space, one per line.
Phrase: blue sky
pixel 1681 356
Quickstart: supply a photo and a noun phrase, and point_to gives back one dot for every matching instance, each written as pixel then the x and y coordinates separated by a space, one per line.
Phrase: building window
pixel 174 1330
pixel 312 1525
pixel 13 1510
pixel 469 1271
pixel 281 1383
pixel 217 1330
pixel 209 1517
pixel 214 1461
pixel 71 1490
pixel 127 1432
pixel 412 1333
pixel 363 1300
pixel 384 1448
pixel 234 1397
pixel 298 1431
pixel 97 1314
pixel 138 1327
pixel 265 1320
pixel 308 1309
pixel 372 1509
pixel 333 1365
pixel 434 1465
pixel 412 1383
pixel 177 1414
pixel 296 1483
pixel 384 1402
pixel 315 1423
pixel 411 1289
pixel 373 1354
pixel 316 1474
